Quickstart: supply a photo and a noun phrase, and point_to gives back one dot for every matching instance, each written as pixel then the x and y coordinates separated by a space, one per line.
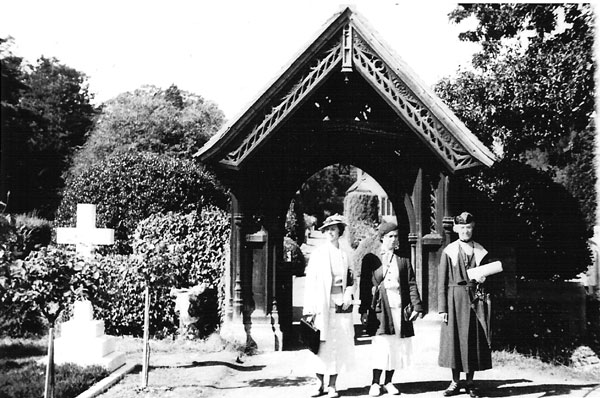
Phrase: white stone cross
pixel 85 235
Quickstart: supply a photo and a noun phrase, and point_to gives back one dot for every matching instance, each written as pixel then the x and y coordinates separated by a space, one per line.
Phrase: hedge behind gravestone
pixel 197 246
pixel 128 188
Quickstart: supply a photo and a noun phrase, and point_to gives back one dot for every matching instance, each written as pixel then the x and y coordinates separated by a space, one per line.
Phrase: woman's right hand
pixel 363 318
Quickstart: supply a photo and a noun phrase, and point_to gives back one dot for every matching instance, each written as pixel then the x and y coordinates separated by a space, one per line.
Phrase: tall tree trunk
pixel 49 386
pixel 146 354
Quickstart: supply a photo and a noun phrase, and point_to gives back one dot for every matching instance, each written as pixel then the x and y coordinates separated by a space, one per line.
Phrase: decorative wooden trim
pixel 409 107
pixel 297 94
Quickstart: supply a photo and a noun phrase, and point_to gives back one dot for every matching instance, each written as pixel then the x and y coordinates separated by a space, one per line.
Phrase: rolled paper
pixel 484 270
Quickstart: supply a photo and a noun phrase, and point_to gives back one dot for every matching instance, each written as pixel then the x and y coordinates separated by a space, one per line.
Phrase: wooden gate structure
pixel 346 98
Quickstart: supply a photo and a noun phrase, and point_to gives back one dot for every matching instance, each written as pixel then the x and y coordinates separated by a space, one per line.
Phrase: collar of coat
pixel 452 251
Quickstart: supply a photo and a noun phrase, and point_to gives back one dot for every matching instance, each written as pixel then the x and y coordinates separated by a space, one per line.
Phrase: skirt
pixel 391 351
pixel 337 353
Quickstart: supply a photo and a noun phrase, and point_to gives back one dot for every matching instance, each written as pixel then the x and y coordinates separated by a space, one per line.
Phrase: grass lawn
pixel 22 376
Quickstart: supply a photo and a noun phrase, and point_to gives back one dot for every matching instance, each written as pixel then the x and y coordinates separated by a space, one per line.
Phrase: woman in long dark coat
pixel 388 287
pixel 464 341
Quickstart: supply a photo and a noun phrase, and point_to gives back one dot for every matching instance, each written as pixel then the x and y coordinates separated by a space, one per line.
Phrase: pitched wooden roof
pixel 347 43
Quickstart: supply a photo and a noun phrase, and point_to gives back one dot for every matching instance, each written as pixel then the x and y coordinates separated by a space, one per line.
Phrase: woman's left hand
pixel 481 280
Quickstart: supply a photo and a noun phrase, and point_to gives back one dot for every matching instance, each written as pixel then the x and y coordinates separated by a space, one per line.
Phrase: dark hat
pixel 464 218
pixel 385 228
pixel 332 220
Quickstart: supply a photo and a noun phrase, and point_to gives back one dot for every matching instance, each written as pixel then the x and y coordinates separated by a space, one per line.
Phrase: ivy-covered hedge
pixel 128 188
pixel 187 249
pixel 362 213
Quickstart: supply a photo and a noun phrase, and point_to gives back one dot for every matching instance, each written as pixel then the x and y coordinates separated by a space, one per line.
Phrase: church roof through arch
pixel 348 44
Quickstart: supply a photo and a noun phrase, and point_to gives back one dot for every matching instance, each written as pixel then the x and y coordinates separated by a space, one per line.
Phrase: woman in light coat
pixel 329 289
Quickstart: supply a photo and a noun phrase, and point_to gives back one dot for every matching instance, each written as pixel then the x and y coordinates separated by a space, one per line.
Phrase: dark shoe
pixel 452 389
pixel 472 391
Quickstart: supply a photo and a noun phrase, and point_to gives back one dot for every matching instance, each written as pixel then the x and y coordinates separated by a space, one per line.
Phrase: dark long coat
pixel 372 273
pixel 464 340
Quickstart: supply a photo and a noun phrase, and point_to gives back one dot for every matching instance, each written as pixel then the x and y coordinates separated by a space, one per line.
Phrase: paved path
pixel 289 374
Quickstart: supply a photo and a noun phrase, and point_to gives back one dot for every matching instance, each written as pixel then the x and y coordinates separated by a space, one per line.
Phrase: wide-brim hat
pixel 464 218
pixel 386 227
pixel 333 220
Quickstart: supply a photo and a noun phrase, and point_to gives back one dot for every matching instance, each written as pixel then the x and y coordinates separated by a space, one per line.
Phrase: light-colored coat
pixel 317 288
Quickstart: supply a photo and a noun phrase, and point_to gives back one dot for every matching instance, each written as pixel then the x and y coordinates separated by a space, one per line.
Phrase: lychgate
pixel 346 98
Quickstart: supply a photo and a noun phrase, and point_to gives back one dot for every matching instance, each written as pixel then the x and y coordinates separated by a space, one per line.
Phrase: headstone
pixel 82 340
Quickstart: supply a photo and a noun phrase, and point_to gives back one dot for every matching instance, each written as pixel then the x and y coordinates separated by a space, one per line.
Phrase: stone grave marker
pixel 82 339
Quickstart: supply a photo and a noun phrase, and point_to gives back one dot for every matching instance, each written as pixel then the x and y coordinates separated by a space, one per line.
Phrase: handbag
pixel 310 336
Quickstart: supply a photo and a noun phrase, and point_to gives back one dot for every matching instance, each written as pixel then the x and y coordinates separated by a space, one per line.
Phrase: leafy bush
pixel 362 213
pixel 26 379
pixel 33 233
pixel 128 188
pixel 519 206
pixel 171 250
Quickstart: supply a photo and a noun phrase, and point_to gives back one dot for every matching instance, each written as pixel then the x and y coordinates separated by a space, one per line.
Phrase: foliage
pixel 294 256
pixel 294 222
pixel 323 193
pixel 170 122
pixel 128 188
pixel 362 213
pixel 46 112
pixel 519 206
pixel 172 250
pixel 45 281
pixel 532 93
pixel 25 379
pixel 33 233
pixel 369 244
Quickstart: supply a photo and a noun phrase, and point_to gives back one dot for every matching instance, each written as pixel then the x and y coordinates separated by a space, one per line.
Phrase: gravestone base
pixel 83 342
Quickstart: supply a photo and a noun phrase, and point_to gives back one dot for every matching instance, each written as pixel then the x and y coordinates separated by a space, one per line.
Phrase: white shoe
pixel 391 389
pixel 375 390
pixel 332 393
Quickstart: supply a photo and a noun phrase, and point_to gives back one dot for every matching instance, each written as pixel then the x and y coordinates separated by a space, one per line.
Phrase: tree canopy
pixel 531 92
pixel 150 119
pixel 46 113
pixel 530 95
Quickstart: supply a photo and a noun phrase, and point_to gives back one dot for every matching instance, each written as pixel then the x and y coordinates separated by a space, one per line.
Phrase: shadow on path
pixel 196 364
pixel 281 382
pixel 487 388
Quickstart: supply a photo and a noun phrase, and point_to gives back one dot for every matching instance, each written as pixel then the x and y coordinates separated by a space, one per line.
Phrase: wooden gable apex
pixel 348 44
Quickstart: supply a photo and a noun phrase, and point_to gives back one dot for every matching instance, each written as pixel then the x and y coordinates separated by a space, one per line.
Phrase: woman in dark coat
pixel 464 340
pixel 389 289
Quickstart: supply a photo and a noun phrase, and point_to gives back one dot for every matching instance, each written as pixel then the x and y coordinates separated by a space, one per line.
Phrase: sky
pixel 227 51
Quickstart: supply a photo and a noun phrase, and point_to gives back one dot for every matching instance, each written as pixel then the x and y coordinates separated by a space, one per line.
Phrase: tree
pixel 532 93
pixel 170 122
pixel 46 112
pixel 323 193
pixel 47 282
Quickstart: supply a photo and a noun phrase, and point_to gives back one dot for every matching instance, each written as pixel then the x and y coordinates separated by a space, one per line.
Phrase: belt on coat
pixel 465 284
